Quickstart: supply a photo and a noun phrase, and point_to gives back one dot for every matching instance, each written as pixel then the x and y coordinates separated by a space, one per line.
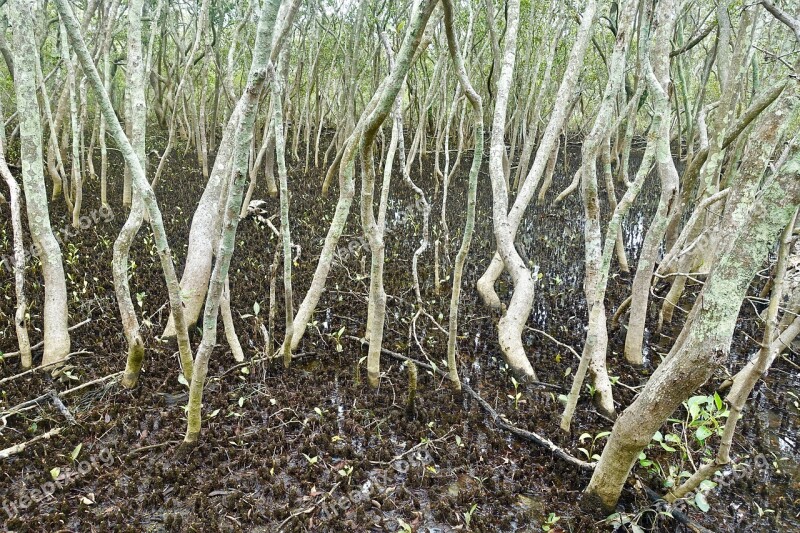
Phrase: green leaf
pixel 256 308
pixel 214 413
pixel 602 434
pixel 718 401
pixel 76 452
pixel 694 404
pixel 54 472
pixel 182 380
pixel 703 433
pixel 667 447
pixel 658 437
pixel 707 484
pixel 700 501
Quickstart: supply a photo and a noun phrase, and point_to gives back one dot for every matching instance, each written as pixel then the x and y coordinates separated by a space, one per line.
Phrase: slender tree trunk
pixel 56 336
pixel 658 83
pixel 596 276
pixel 137 117
pixel 21 314
pixel 139 179
pixel 374 115
pixel 247 105
pixel 278 89
pixel 469 224
pixel 512 323
pixel 549 140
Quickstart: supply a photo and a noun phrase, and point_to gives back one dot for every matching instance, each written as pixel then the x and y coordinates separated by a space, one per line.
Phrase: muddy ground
pixel 314 449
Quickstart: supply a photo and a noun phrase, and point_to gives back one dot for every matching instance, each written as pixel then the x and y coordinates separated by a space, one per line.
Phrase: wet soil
pixel 314 449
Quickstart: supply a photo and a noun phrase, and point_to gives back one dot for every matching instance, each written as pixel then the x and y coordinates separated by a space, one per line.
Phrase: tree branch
pixel 783 16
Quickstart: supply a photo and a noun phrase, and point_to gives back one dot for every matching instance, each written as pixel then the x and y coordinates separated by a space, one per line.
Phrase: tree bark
pixel 56 336
pixel 705 340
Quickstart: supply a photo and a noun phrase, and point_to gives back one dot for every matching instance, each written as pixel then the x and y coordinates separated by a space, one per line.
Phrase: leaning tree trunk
pixel 748 377
pixel 200 255
pixel 704 343
pixel 373 117
pixel 140 182
pixel 56 335
pixel 247 105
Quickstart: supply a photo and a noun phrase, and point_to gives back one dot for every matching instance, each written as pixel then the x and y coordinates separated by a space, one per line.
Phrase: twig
pixel 8 452
pixel 499 421
pixel 61 407
pixel 676 514
pixel 152 446
pixel 24 406
pixel 89 383
pixel 32 370
pixel 568 347
pixel 620 310
pixel 783 356
pixel 41 343
pixel 296 514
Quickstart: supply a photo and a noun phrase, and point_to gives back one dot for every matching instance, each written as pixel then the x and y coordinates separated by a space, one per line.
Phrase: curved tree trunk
pixel 373 117
pixel 546 146
pixel 469 224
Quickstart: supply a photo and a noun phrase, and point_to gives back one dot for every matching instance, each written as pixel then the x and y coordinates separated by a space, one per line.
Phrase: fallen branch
pixel 40 344
pixel 150 447
pixel 681 517
pixel 498 419
pixel 56 399
pixel 540 384
pixel 8 452
pixel 567 346
pixel 35 369
pixel 90 383
pixel 61 407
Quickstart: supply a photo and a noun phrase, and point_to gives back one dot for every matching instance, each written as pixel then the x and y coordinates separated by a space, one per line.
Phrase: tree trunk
pixel 244 132
pixel 21 314
pixel 56 336
pixel 705 341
